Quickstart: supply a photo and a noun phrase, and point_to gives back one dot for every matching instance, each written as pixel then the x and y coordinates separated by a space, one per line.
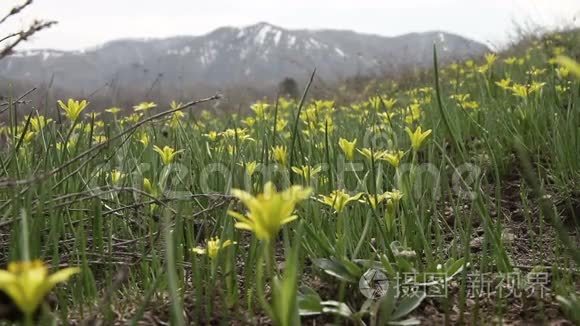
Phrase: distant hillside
pixel 260 54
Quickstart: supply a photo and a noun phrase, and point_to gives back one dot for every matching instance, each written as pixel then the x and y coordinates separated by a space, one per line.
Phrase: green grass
pixel 492 191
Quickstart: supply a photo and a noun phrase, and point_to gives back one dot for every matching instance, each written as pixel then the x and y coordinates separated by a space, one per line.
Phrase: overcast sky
pixel 85 23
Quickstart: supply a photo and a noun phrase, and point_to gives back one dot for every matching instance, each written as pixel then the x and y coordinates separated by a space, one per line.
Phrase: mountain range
pixel 260 54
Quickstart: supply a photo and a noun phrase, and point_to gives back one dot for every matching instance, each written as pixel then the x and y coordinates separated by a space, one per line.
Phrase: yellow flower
pixel 338 199
pixel 167 154
pixel 536 87
pixel 536 72
pixel 389 103
pixel 417 137
pixel 206 115
pixel 150 188
pixel 561 89
pixel 147 186
pixel 414 113
pixel 250 167
pixel 38 123
pixel 460 97
pixel 260 108
pixel 393 198
pixel 386 117
pixel 133 117
pixel 175 105
pixel 27 283
pixel 504 83
pixel 29 136
pixel 212 135
pixel 249 121
pixel 368 153
pixel 73 108
pixel 395 195
pixel 214 245
pixel 483 69
pixel 559 50
pixel 520 90
pixel 524 91
pixel 469 105
pixel 347 147
pixel 175 119
pixel 563 72
pixel 375 200
pixel 144 106
pixel 144 138
pixel 571 65
pixel 309 115
pixel 114 110
pixel 239 133
pixel 375 102
pixel 510 61
pixel 116 177
pixel 393 157
pixel 72 142
pixel 307 171
pixel 99 139
pixel 269 211
pixel 281 124
pixel 280 154
pixel 92 115
pixel 490 58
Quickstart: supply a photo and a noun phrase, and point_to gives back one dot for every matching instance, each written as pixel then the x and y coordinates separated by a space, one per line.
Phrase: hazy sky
pixel 85 23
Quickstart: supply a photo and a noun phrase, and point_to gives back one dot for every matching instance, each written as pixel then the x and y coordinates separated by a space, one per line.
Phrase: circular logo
pixel 373 284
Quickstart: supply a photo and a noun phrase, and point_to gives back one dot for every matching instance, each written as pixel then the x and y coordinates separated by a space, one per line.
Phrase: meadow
pixel 456 201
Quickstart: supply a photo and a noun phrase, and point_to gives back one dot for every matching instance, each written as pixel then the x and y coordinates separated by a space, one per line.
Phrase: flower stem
pixel 25 236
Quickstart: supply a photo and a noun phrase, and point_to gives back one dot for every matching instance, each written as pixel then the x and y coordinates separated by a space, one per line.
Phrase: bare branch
pixel 95 149
pixel 36 27
pixel 16 10
pixel 20 100
pixel 9 36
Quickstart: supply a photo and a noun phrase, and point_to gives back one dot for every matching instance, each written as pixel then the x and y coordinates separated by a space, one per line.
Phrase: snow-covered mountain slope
pixel 261 54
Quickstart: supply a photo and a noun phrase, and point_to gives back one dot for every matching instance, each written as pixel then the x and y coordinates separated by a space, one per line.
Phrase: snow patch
pixel 262 34
pixel 185 50
pixel 244 53
pixel 208 56
pixel 315 43
pixel 291 40
pixel 441 37
pixel 22 54
pixel 339 52
pixel 265 54
pixel 45 54
pixel 277 37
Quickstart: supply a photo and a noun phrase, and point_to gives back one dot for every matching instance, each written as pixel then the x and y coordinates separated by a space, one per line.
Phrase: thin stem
pixel 25 235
